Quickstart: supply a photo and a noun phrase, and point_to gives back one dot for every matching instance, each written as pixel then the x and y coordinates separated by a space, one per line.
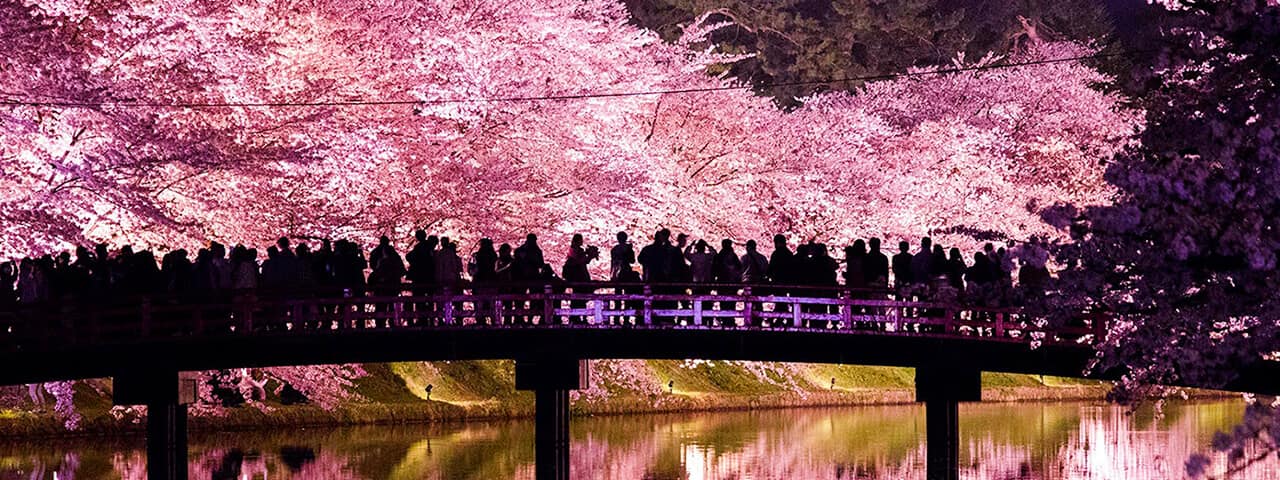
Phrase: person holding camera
pixel 575 270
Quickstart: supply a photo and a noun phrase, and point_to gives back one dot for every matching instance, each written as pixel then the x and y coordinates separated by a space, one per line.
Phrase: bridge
pixel 145 343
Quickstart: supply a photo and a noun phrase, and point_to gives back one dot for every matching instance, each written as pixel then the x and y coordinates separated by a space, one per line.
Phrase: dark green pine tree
pixel 812 41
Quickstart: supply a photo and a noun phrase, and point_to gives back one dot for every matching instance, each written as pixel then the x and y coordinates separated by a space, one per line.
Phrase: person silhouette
pixel 657 261
pixel 876 266
pixel 855 268
pixel 824 270
pixel 781 262
pixel 527 271
pixel 503 277
pixel 575 271
pixel 902 266
pixel 528 261
pixel 726 267
pixel 422 273
pixel 955 270
pixel 755 269
pixel 386 274
pixel 621 257
pixel 576 261
pixel 653 258
pixel 755 266
pixel 700 257
pixel 922 263
pixel 484 277
pixel 8 286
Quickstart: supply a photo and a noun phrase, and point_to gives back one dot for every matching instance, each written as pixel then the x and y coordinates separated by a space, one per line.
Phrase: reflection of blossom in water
pixel 1109 444
pixel 63 467
pixel 130 465
pixel 999 441
pixel 989 459
pixel 283 462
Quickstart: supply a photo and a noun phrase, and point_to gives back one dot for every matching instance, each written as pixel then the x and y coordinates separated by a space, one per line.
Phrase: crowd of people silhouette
pixel 432 265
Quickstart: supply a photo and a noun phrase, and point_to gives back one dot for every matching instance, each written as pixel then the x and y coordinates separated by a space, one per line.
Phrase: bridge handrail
pixel 461 287
pixel 251 312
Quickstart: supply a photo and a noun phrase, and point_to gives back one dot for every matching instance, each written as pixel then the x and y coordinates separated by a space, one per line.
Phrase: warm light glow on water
pixel 998 441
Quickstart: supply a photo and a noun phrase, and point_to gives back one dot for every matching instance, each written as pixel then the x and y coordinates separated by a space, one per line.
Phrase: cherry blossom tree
pixel 1185 259
pixel 168 123
pixel 467 166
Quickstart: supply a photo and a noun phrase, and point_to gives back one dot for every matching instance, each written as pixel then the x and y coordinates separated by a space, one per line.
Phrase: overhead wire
pixel 539 98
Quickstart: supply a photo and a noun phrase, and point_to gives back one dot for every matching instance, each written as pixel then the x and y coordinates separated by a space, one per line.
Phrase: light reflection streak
pixel 1013 441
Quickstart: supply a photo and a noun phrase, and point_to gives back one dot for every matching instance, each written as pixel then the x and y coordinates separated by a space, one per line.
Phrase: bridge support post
pixel 551 379
pixel 942 388
pixel 166 396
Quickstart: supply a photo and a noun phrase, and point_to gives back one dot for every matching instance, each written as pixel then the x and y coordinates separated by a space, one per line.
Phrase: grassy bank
pixel 396 393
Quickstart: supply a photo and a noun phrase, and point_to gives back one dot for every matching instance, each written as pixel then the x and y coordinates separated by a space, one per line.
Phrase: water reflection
pixel 999 441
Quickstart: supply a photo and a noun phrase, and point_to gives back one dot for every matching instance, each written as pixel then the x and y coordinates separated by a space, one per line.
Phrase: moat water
pixel 998 441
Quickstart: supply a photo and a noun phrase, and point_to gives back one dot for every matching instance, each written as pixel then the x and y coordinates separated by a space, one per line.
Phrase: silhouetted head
pixel 874 243
pixel 662 237
pixel 531 239
pixel 384 240
pixel 272 252
pixel 486 244
pixel 937 250
pixel 283 243
pixel 302 250
pixel 444 242
pixel 751 245
pixel 955 254
pixel 978 257
pixel 420 235
pixel 726 244
pixel 432 241
pixel 988 248
pixel 701 246
pixel 577 240
pixel 622 237
pixel 903 246
pixel 217 250
pixel 859 247
pixel 779 241
pixel 926 244
pixel 505 250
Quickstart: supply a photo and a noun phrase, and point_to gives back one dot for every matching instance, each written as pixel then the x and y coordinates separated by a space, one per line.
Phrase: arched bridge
pixel 144 343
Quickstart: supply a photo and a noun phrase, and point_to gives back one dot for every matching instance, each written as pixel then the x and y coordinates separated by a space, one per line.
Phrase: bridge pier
pixel 942 388
pixel 166 396
pixel 551 379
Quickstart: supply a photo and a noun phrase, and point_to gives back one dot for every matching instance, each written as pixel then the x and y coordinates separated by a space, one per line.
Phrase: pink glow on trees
pixel 1185 261
pixel 959 152
pixel 841 166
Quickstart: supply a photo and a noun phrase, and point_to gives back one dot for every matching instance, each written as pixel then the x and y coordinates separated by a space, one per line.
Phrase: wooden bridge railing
pixel 48 327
